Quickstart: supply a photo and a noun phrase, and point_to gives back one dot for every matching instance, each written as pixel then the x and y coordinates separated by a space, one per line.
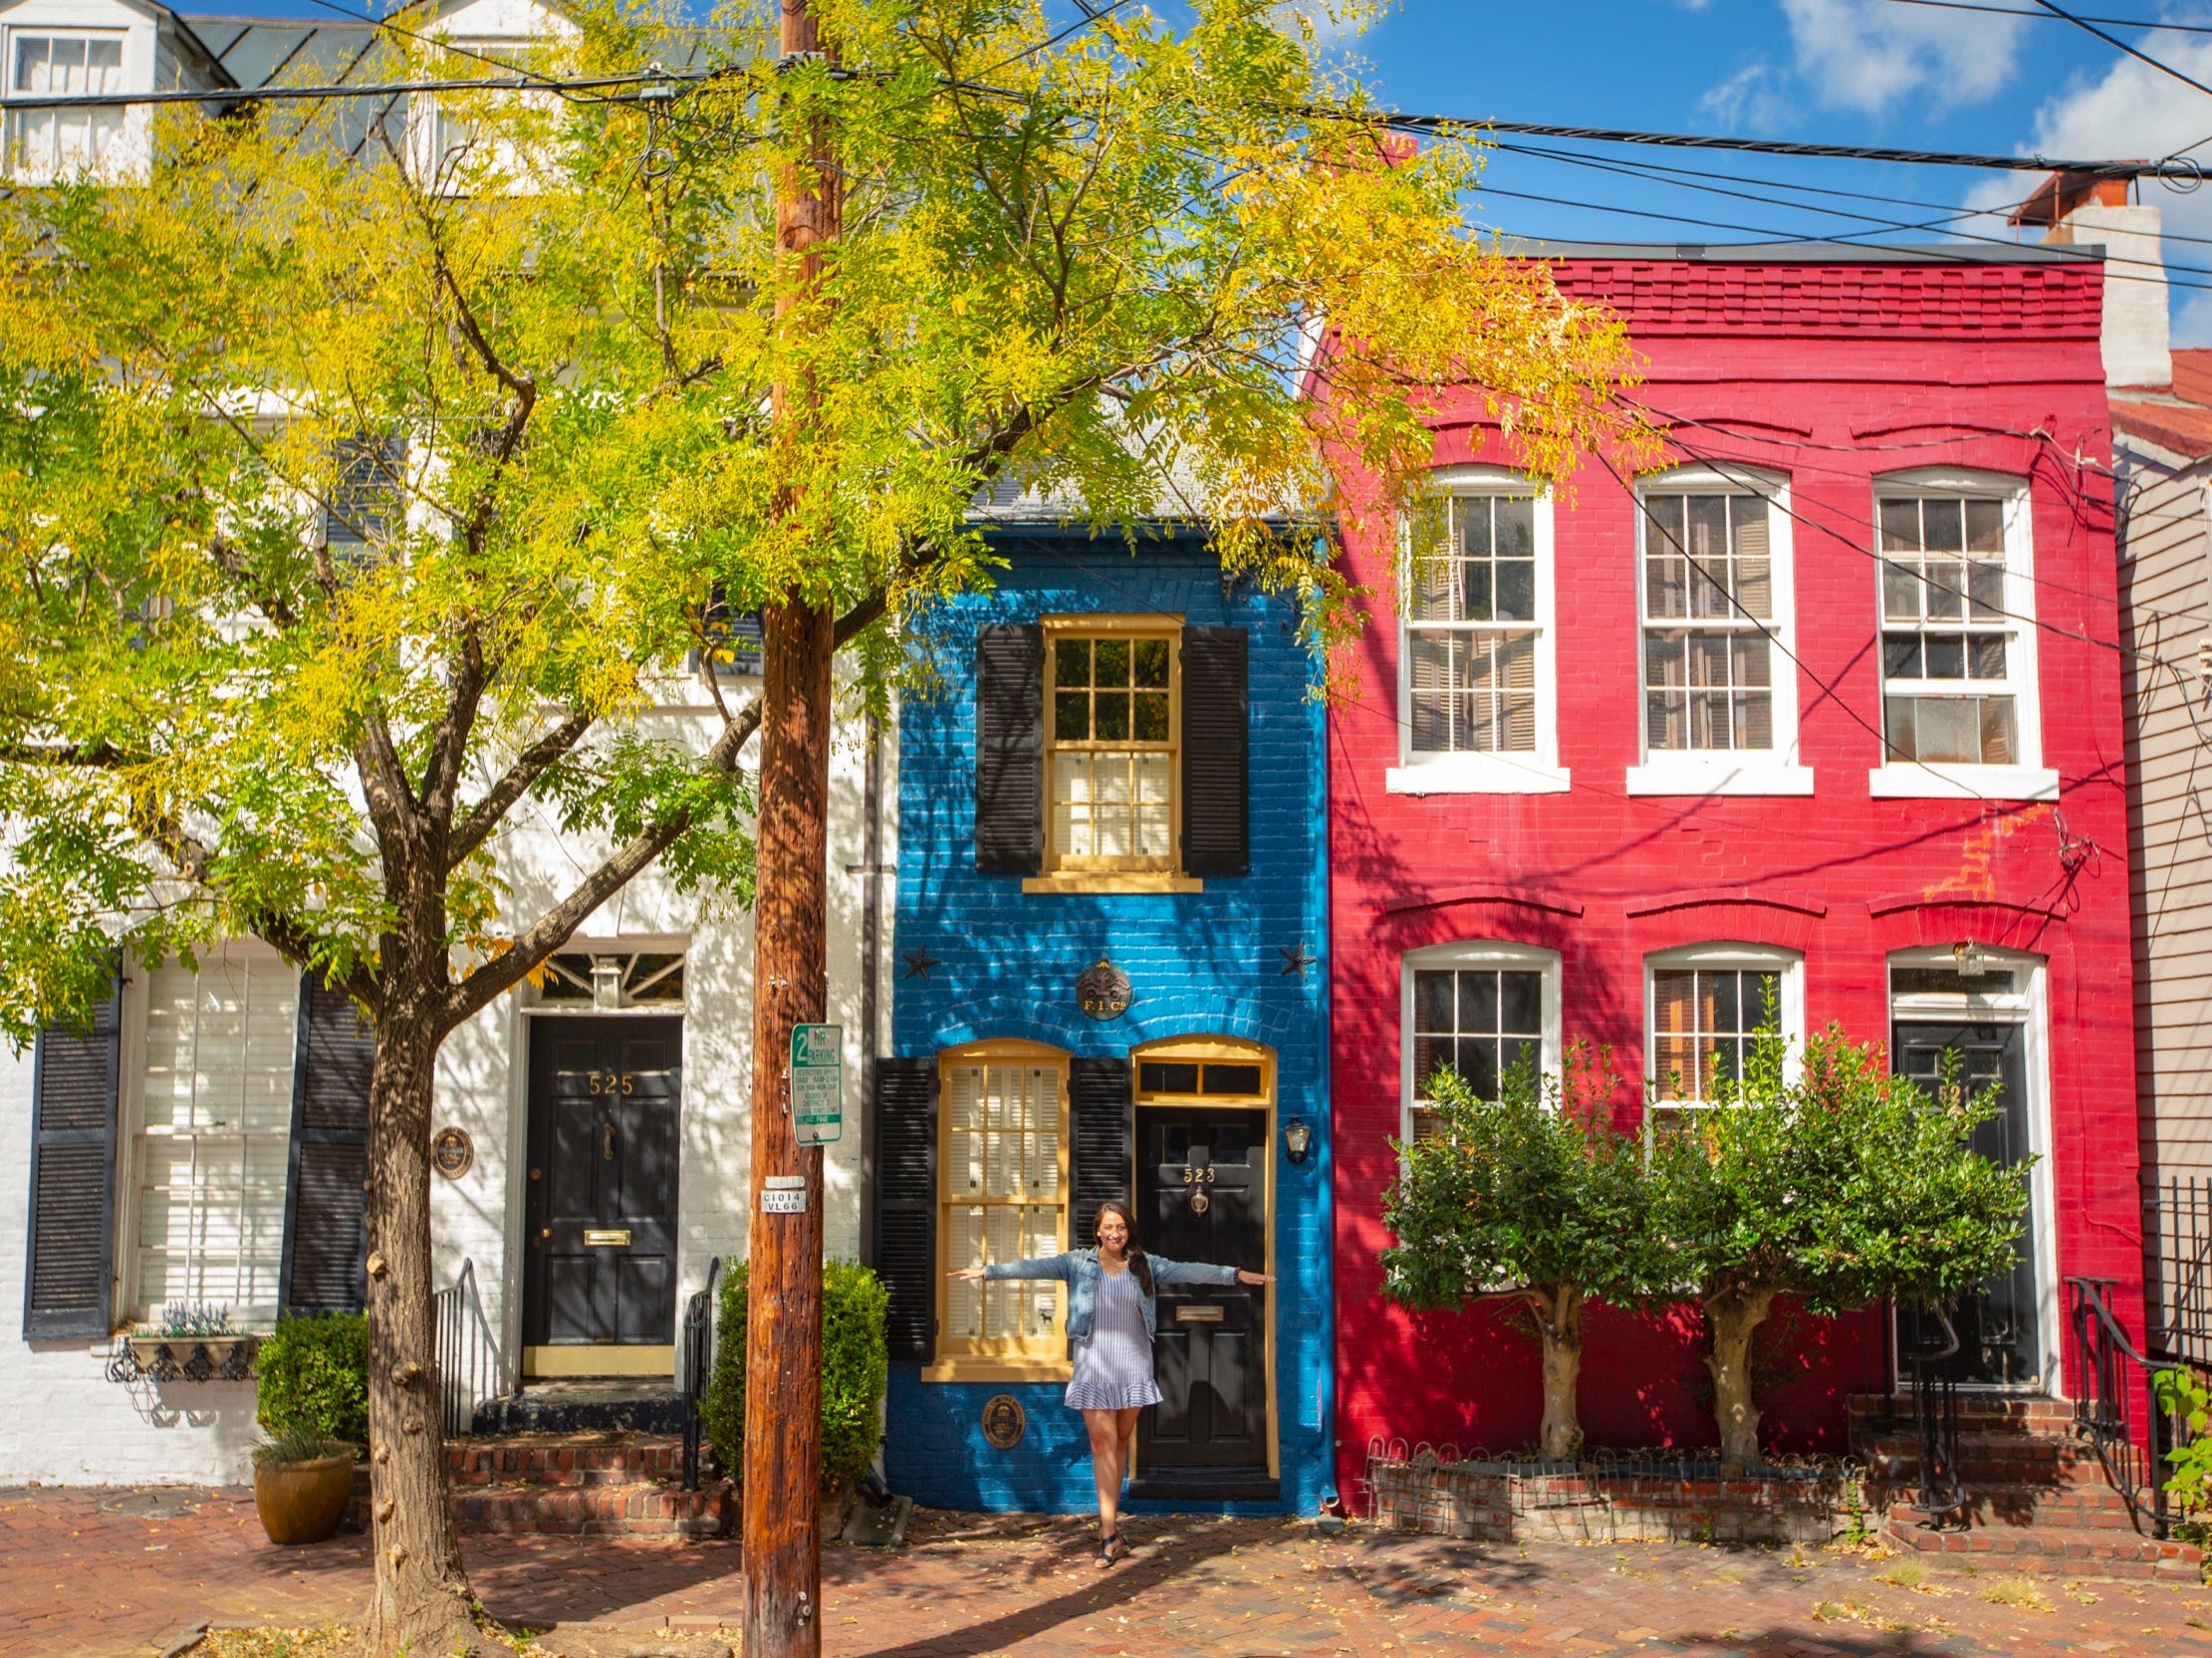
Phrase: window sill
pixel 998 1371
pixel 1477 773
pixel 1719 777
pixel 1113 881
pixel 1912 781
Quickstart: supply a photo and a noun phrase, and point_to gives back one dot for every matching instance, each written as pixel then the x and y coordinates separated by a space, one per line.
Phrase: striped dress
pixel 1114 1363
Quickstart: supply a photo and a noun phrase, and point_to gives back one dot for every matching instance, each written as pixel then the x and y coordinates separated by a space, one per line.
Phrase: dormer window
pixel 57 143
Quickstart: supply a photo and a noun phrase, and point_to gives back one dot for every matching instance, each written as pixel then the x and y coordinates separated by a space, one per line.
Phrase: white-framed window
pixel 211 1135
pixel 1480 1007
pixel 1477 674
pixel 1717 709
pixel 54 143
pixel 1959 711
pixel 459 151
pixel 1705 1006
pixel 1113 728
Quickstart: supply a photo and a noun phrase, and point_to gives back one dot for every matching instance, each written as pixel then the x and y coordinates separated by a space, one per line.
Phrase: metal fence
pixel 2179 1310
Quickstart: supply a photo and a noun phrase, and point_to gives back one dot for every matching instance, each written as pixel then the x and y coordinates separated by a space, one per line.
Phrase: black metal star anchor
pixel 1298 960
pixel 919 961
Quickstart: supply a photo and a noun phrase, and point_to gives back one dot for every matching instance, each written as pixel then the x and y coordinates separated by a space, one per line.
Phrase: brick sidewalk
pixel 122 1572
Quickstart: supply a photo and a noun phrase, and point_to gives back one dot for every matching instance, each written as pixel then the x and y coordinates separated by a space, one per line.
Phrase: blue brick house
pixel 1110 943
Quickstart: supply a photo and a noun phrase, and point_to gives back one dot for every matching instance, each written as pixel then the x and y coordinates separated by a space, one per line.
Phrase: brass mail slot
pixel 1198 1314
pixel 606 1237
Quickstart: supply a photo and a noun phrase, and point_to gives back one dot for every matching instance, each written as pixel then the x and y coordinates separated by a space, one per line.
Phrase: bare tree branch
pixel 552 929
pixel 486 815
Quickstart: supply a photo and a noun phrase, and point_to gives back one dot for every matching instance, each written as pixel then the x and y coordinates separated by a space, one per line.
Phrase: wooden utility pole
pixel 783 1347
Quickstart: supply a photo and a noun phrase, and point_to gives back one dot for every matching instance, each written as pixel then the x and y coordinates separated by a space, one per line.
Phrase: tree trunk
pixel 1559 1320
pixel 422 1601
pixel 1735 1316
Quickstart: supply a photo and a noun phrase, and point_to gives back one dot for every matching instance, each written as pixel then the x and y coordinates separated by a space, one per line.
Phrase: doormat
pixel 1624 1497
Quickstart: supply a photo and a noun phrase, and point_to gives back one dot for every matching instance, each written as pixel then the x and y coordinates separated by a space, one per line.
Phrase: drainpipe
pixel 1325 1172
pixel 872 905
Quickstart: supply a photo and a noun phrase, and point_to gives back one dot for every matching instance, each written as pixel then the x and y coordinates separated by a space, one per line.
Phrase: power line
pixel 2115 41
pixel 381 89
pixel 2045 16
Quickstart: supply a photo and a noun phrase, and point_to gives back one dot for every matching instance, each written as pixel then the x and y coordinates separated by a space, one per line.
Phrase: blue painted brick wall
pixel 1207 963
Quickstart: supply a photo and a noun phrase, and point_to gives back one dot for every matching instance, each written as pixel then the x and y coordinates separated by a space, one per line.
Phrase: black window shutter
pixel 1099 1106
pixel 1217 743
pixel 326 1238
pixel 906 1202
pixel 71 1254
pixel 1010 750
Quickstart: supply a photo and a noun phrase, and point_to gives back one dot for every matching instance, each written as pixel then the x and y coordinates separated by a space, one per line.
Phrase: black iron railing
pixel 469 1369
pixel 698 1366
pixel 2117 1408
pixel 1928 1349
pixel 2178 1316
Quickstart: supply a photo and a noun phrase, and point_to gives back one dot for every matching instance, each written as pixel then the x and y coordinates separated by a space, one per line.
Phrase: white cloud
pixel 1751 96
pixel 1871 55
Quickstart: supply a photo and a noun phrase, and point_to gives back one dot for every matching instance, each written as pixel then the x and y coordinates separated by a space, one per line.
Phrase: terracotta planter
pixel 303 1501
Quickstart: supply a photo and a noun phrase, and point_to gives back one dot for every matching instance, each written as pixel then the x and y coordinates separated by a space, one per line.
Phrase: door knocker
pixel 1198 1174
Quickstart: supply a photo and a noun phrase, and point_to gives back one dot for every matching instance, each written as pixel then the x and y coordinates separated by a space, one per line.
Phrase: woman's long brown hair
pixel 1138 1265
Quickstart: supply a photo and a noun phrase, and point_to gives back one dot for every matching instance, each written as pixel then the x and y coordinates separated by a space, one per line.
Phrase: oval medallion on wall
pixel 452 1152
pixel 1004 1421
pixel 1102 990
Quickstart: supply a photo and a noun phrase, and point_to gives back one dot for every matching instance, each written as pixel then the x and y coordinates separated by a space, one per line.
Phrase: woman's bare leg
pixel 1107 1442
pixel 1125 1421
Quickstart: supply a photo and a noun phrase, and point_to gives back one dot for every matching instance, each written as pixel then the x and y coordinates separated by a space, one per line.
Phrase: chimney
pixel 2087 209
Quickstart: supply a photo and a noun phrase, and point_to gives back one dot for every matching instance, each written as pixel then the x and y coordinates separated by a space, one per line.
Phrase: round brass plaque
pixel 1004 1421
pixel 452 1152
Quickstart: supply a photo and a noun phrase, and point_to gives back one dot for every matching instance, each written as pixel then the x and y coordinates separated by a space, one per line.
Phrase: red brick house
pixel 1825 716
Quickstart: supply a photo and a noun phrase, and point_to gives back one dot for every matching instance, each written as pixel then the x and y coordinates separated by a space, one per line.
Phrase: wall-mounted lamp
pixel 1298 1139
pixel 1972 964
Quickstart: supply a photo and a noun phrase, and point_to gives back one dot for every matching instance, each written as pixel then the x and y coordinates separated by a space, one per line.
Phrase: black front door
pixel 1999 1325
pixel 602 1208
pixel 1201 1196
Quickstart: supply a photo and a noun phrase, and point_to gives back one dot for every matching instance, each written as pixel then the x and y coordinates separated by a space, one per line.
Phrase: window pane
pixel 1986 656
pixel 1436 588
pixel 1901 591
pixel 1985 526
pixel 1232 1079
pixel 1754 720
pixel 1709 527
pixel 1071 662
pixel 1985 590
pixel 1161 1076
pixel 1673 996
pixel 1945 592
pixel 1070 715
pixel 1900 655
pixel 1433 1002
pixel 1111 711
pixel 1946 656
pixel 2000 747
pixel 1478 1001
pixel 1150 663
pixel 1947 729
pixel 1151 716
pixel 1430 1053
pixel 1515 517
pixel 1478 1066
pixel 1944 524
pixel 1110 662
pixel 1515 594
pixel 1718 1006
pixel 1900 525
pixel 1521 1003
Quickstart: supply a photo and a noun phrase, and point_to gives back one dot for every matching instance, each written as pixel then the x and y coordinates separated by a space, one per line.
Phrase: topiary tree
pixel 1533 1198
pixel 855 1368
pixel 312 1375
pixel 1843 1187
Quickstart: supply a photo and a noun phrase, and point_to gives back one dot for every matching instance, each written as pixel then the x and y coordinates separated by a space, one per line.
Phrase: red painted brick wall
pixel 1832 374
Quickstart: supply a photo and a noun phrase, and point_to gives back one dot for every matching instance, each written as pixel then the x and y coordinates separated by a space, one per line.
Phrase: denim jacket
pixel 1080 1272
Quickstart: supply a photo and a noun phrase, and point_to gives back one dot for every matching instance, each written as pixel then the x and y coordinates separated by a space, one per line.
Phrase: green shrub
pixel 315 1377
pixel 855 1368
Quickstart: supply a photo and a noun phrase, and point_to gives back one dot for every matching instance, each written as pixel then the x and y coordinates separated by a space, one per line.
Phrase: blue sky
pixel 1880 71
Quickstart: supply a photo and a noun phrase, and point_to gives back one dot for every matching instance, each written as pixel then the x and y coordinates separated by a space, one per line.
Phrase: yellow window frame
pixel 1169 629
pixel 1041 1357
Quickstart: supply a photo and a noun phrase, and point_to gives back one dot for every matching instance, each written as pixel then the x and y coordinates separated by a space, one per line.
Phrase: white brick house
pixel 208 1078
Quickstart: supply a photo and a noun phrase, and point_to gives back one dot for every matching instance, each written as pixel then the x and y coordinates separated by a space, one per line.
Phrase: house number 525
pixel 613 1082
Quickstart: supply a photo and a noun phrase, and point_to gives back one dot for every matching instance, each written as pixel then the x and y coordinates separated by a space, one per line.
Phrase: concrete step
pixel 650 1405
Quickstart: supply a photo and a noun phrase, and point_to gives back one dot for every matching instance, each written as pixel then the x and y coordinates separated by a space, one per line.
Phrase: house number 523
pixel 613 1082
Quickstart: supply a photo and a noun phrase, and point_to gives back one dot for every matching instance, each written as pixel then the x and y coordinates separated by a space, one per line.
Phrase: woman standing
pixel 1110 1317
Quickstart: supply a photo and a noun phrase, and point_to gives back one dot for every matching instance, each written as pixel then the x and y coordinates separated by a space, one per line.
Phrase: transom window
pixel 1709 612
pixel 1113 718
pixel 49 144
pixel 1004 1197
pixel 612 978
pixel 1951 669
pixel 1706 1009
pixel 1472 627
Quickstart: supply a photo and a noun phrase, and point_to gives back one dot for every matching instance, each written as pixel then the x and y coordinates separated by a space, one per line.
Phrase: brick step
pixel 1997 1459
pixel 2057 1550
pixel 1977 1412
pixel 609 1459
pixel 2018 1507
pixel 653 1511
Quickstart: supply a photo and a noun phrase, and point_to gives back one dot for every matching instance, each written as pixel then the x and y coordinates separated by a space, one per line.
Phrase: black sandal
pixel 1106 1555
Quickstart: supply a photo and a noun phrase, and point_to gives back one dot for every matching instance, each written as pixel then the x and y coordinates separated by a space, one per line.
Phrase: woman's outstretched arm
pixel 1200 1272
pixel 1046 1267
